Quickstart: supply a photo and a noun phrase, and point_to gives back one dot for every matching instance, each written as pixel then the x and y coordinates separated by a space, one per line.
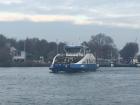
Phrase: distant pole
pixel 25 50
pixel 24 45
pixel 79 40
pixel 56 46
pixel 111 54
pixel 136 40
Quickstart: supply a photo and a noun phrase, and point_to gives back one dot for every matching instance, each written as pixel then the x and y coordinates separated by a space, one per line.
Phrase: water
pixel 37 86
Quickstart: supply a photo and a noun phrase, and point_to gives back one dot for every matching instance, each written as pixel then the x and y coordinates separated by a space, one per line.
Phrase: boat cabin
pixel 73 54
pixel 75 50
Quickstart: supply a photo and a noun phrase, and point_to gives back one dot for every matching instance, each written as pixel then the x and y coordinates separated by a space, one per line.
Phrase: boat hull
pixel 73 67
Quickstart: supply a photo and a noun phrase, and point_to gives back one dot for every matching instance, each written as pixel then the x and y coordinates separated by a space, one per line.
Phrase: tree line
pixel 101 45
pixel 34 48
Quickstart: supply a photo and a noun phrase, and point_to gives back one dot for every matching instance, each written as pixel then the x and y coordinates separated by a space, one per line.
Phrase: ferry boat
pixel 75 59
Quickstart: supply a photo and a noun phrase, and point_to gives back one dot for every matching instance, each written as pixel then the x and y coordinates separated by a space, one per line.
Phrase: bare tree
pixel 103 46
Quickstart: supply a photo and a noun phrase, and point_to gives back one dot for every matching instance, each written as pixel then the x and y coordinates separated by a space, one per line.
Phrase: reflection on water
pixel 37 86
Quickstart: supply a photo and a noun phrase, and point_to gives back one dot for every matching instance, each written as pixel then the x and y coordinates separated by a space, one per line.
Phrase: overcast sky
pixel 72 21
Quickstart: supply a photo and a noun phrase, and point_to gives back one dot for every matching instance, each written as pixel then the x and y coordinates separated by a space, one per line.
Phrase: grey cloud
pixel 106 11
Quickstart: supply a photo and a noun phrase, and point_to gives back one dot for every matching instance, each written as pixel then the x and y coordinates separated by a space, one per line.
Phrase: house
pixel 17 56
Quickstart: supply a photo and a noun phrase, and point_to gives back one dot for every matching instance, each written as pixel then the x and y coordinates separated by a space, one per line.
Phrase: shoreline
pixel 48 65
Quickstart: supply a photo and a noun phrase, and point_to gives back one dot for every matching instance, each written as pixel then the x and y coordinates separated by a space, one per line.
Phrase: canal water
pixel 37 86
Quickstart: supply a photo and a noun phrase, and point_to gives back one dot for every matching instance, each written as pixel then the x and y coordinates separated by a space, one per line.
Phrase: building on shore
pixel 17 56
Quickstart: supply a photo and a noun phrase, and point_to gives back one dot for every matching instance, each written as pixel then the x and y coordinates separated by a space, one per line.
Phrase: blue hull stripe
pixel 73 67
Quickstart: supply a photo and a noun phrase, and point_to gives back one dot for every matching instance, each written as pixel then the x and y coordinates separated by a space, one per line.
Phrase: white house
pixel 19 56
